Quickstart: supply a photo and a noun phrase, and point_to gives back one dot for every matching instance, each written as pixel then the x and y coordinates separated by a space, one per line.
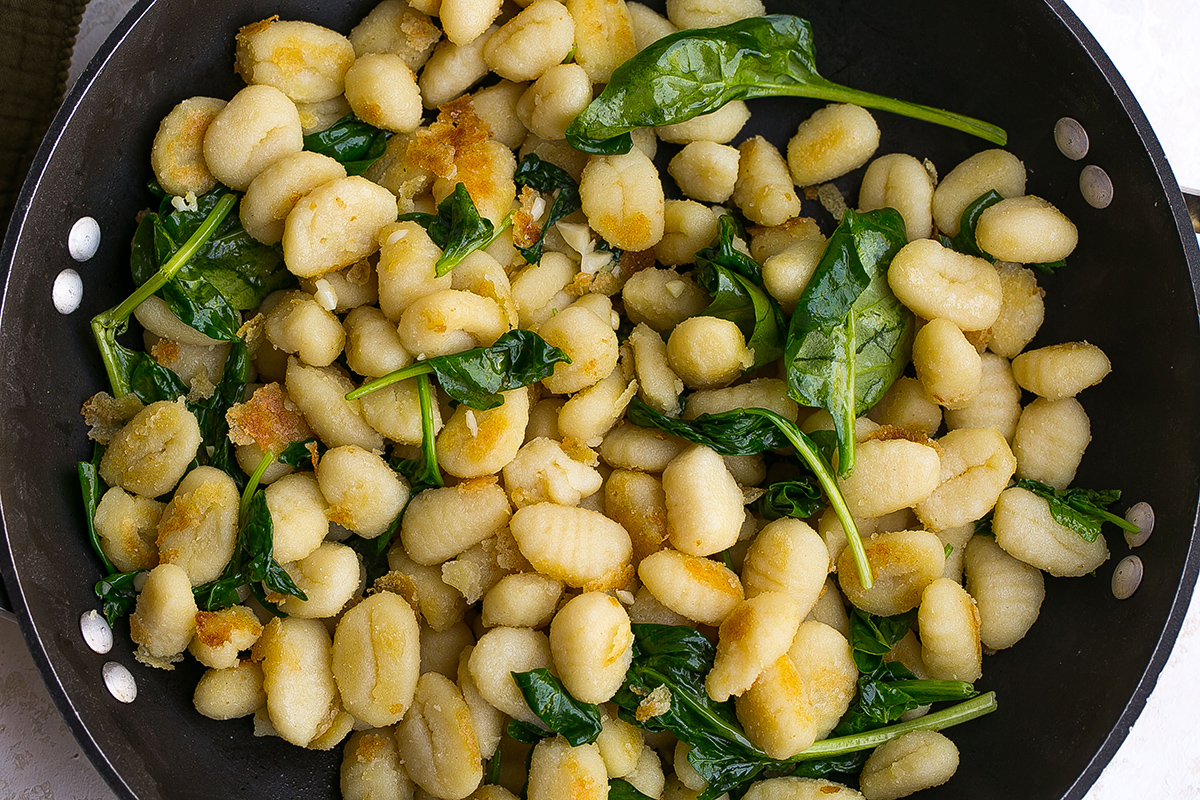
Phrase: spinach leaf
pixel 799 499
pixel 257 544
pixel 119 361
pixel 298 456
pixel 747 431
pixel 672 662
pixel 965 241
pixel 578 723
pixel 151 381
pixel 230 272
pixel 1082 510
pixel 92 487
pixel 457 228
pixel 199 305
pixel 679 658
pixel 850 338
pixel 477 377
pixel 350 141
pixel 983 525
pixel 216 449
pixel 253 562
pixel 735 282
pixel 526 732
pixel 697 71
pixel 117 595
pixel 730 433
pixel 886 690
pixel 546 178
pixel 623 790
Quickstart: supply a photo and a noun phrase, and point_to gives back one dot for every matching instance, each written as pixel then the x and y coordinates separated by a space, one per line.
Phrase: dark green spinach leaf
pixel 850 338
pixel 253 563
pixel 886 690
pixel 798 499
pixel 257 545
pixel 674 661
pixel 229 272
pixel 735 282
pixel 117 595
pixel 547 178
pixel 698 71
pixel 216 449
pixel 92 487
pixel 477 377
pixel 351 142
pixel 526 732
pixel 624 790
pixel 1082 510
pixel 578 723
pixel 457 228
pixel 298 456
pixel 730 433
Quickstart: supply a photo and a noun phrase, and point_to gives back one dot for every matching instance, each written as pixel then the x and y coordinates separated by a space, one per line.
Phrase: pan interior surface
pixel 1067 692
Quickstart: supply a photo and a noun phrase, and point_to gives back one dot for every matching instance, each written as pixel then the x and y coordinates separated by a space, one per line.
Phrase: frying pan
pixel 1068 692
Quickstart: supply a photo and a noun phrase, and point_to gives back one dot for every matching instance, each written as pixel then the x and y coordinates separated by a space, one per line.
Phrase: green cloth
pixel 36 39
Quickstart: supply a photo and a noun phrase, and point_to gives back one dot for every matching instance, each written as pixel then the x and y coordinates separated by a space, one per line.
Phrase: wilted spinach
pixel 117 595
pixel 92 487
pixel 730 433
pixel 457 228
pixel 351 142
pixel 578 723
pixel 679 658
pixel 734 280
pixel 1082 510
pixel 624 790
pixel 216 449
pixel 886 690
pixel 547 178
pixel 698 71
pixel 231 272
pixel 799 499
pixel 299 456
pixel 849 337
pixel 253 561
pixel 119 361
pixel 748 431
pixel 476 377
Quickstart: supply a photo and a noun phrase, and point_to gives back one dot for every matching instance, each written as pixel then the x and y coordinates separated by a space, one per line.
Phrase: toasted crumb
pixel 447 143
pixel 105 415
pixel 267 419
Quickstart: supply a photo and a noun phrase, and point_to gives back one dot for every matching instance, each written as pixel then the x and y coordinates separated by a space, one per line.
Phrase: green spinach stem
pixel 268 458
pixel 395 376
pixel 808 451
pixel 428 440
pixel 844 94
pixel 955 715
pixel 105 326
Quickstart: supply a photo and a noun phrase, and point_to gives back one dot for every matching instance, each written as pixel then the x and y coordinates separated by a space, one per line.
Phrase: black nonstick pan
pixel 1068 692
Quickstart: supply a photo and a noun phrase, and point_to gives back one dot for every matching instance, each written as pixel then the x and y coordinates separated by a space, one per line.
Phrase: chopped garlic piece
pixel 324 295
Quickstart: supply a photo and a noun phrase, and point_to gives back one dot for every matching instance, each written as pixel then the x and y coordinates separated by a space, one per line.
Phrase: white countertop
pixel 1152 43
